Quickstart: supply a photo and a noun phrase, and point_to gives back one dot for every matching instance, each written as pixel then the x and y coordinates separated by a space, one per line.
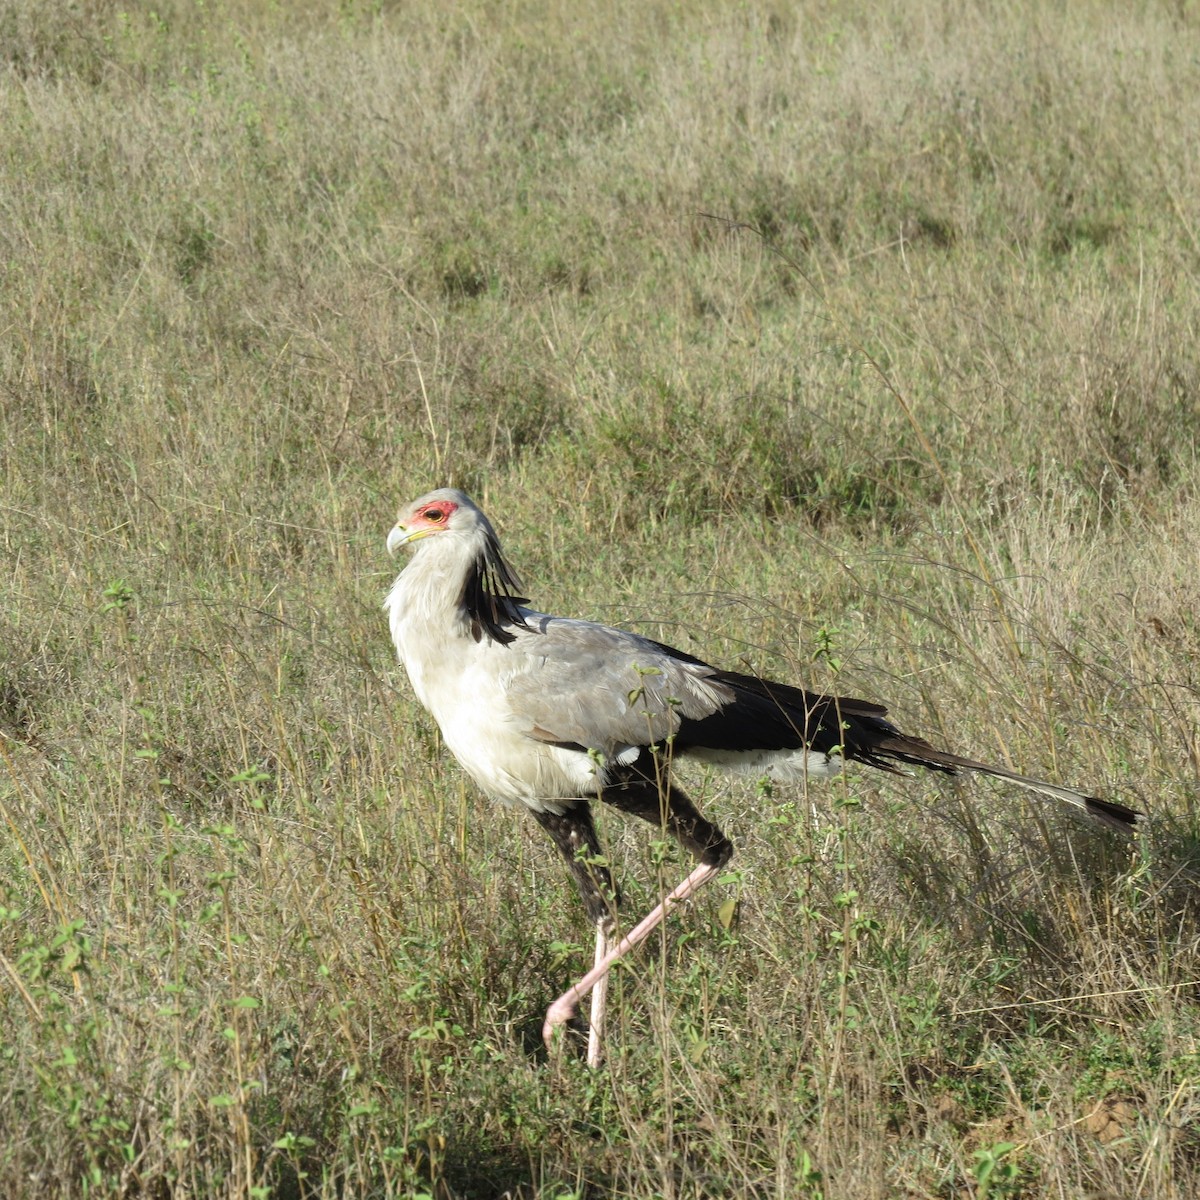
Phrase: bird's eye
pixel 435 514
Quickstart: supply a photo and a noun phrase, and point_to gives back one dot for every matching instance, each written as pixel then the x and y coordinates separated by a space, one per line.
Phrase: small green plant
pixel 117 595
pixel 994 1171
pixel 826 639
pixel 808 1178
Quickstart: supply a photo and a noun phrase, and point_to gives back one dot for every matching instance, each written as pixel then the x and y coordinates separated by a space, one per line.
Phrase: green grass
pixel 855 342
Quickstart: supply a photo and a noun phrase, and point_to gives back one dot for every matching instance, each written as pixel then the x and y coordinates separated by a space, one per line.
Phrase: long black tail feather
pixel 919 753
pixel 860 731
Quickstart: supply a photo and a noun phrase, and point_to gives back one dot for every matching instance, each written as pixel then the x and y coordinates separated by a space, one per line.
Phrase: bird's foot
pixel 557 1015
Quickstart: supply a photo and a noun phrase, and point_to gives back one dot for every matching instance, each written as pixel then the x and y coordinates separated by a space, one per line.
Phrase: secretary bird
pixel 551 713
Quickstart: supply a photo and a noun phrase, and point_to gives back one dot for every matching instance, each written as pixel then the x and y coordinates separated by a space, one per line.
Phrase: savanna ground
pixel 925 432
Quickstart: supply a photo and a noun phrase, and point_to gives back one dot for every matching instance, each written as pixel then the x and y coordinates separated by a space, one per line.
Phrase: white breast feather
pixel 461 682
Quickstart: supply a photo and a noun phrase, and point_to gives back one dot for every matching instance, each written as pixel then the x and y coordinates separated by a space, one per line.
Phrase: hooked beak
pixel 398 536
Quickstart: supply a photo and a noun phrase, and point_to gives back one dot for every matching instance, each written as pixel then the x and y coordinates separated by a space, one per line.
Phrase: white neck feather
pixel 424 605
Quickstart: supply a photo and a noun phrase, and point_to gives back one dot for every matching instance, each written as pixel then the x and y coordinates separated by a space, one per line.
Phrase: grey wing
pixel 578 683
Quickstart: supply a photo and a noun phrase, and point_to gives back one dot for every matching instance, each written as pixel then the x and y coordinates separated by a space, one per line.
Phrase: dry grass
pixel 931 437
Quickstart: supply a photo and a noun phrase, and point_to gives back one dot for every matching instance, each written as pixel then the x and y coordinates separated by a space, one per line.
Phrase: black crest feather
pixel 491 595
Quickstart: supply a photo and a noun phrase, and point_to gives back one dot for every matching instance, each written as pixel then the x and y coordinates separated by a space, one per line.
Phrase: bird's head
pixel 460 555
pixel 444 513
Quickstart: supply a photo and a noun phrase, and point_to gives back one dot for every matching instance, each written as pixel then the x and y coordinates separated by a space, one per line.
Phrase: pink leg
pixel 564 1007
pixel 599 999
